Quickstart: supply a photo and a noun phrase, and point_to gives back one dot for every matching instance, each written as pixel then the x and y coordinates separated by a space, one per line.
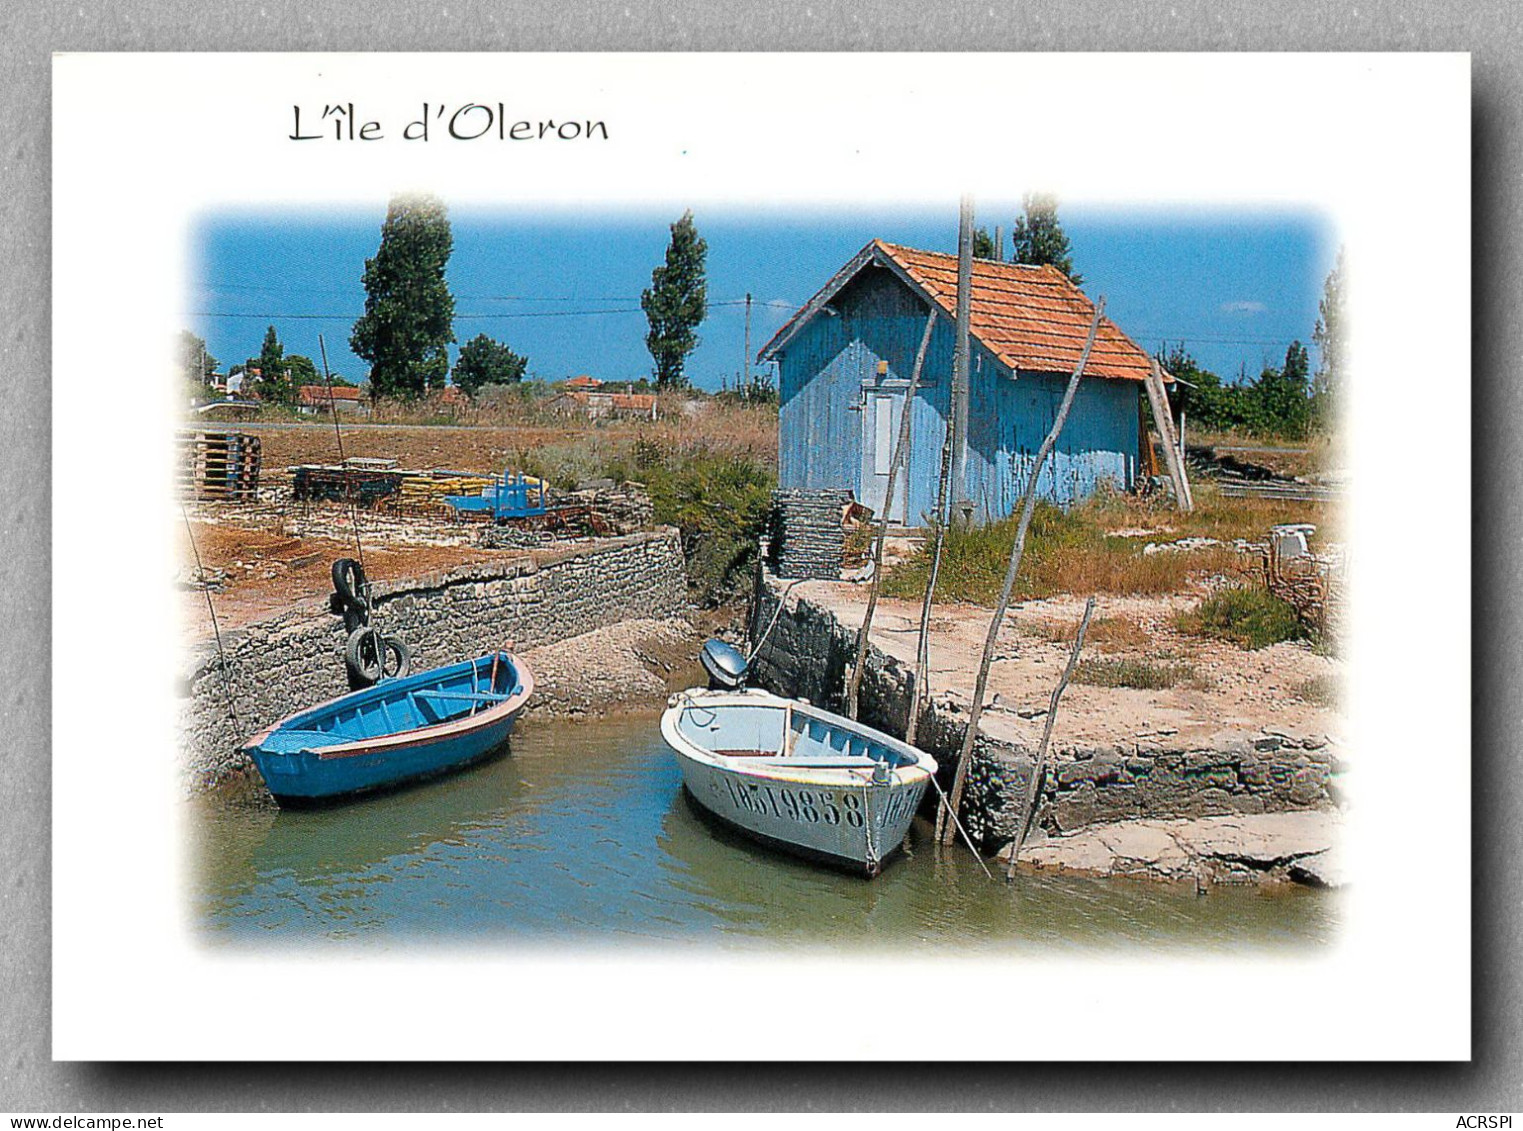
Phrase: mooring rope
pixel 782 600
pixel 372 609
pixel 947 805
pixel 227 681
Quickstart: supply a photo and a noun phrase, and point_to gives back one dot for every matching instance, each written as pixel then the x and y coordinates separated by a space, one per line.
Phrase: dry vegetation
pixel 1100 547
pixel 1317 454
pixel 710 466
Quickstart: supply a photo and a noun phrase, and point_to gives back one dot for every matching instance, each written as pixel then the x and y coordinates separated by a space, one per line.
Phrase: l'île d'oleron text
pixel 472 121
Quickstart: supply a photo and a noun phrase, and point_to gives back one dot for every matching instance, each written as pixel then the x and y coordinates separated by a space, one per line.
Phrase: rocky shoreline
pixel 1264 848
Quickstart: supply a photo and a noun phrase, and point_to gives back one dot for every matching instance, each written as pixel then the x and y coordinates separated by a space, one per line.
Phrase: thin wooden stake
pixel 1039 770
pixel 1028 507
pixel 901 451
pixel 920 676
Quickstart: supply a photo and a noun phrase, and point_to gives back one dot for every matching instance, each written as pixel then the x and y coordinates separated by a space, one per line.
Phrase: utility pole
pixel 745 370
pixel 961 508
pixel 999 243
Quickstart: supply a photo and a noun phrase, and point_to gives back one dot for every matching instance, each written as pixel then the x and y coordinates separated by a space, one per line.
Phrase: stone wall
pixel 296 659
pixel 809 651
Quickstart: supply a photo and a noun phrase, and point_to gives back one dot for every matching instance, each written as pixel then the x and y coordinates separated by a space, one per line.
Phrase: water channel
pixel 581 833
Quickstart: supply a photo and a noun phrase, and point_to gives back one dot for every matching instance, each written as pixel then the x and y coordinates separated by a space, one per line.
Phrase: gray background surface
pixel 29 1081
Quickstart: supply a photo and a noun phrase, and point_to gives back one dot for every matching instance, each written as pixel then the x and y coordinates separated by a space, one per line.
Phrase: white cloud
pixel 1244 306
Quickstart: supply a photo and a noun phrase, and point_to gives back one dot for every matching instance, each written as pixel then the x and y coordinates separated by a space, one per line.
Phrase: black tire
pixel 355 616
pixel 396 646
pixel 371 655
pixel 349 582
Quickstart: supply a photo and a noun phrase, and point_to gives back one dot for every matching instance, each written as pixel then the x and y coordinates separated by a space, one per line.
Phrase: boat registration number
pixel 811 806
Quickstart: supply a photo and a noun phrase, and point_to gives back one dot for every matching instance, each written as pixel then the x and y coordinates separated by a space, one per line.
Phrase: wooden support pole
pixel 1039 769
pixel 901 453
pixel 960 359
pixel 1028 506
pixel 920 676
pixel 1158 401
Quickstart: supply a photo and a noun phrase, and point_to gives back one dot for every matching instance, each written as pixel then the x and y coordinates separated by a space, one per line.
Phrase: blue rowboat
pixel 396 731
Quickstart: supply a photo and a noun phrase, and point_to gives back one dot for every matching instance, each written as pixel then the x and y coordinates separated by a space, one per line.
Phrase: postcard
pixel 747 557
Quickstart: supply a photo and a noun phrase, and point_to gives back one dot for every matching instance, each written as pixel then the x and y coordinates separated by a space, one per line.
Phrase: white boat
pixel 797 777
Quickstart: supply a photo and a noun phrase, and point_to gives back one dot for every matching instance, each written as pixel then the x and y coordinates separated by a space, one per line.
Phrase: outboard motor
pixel 725 665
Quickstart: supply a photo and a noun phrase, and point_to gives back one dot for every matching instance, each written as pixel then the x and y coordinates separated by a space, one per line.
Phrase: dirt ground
pixel 278 551
pixel 1226 690
pixel 265 563
pixel 418 447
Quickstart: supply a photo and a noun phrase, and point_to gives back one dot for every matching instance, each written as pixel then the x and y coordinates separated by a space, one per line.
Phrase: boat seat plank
pixel 828 761
pixel 460 696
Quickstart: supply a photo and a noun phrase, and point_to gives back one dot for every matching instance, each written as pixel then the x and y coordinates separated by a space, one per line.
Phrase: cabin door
pixel 880 432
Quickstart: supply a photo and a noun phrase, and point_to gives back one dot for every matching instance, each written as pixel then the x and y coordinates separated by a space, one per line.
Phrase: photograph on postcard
pixel 620 478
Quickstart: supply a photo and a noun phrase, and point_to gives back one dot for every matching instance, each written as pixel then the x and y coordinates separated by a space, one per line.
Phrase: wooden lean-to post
pixel 1028 506
pixel 1158 401
pixel 1039 769
pixel 901 452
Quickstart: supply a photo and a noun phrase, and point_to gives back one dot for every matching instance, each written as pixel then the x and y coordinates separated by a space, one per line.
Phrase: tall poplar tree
pixel 1327 385
pixel 676 302
pixel 409 316
pixel 1039 238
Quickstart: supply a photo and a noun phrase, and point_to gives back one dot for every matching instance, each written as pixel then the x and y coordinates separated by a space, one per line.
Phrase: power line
pixel 472 314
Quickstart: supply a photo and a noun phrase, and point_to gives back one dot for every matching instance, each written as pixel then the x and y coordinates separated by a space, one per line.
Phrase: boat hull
pixel 308 777
pixel 847 818
pixel 304 765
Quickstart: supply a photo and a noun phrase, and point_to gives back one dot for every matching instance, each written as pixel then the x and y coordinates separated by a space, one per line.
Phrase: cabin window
pixel 883 427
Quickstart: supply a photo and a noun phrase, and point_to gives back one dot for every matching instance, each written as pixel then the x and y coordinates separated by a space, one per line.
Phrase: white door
pixel 880 432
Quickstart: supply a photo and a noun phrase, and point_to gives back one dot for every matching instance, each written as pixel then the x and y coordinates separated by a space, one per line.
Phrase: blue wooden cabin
pixel 844 363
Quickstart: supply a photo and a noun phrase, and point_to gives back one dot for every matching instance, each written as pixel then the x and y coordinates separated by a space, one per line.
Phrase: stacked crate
pixel 218 465
pixel 808 539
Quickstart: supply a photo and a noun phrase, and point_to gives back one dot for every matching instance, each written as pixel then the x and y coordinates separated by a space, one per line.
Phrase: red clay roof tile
pixel 1031 318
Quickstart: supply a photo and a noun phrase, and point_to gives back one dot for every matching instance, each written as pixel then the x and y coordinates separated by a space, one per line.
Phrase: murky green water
pixel 583 833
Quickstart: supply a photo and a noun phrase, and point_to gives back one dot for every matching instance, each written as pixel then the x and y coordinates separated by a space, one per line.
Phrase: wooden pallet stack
pixel 808 539
pixel 217 465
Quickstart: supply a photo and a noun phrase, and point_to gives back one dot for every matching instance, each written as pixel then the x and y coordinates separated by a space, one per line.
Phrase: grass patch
pixel 1108 633
pixel 1140 674
pixel 716 496
pixel 1214 516
pixel 1321 691
pixel 1065 553
pixel 1249 616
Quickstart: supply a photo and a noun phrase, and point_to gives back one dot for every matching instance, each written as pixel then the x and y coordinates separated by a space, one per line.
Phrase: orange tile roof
pixel 1030 318
pixel 318 394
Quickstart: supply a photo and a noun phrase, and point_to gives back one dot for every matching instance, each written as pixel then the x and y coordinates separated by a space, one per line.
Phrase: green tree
pixel 983 244
pixel 275 383
pixel 409 316
pixel 1332 354
pixel 676 303
pixel 1039 238
pixel 303 371
pixel 1280 404
pixel 1201 395
pixel 484 361
pixel 194 364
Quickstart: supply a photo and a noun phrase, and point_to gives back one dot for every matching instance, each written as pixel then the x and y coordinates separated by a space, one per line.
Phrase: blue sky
pixel 563 287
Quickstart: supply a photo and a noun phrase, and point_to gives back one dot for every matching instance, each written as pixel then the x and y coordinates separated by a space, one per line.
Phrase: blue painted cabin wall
pixel 832 361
